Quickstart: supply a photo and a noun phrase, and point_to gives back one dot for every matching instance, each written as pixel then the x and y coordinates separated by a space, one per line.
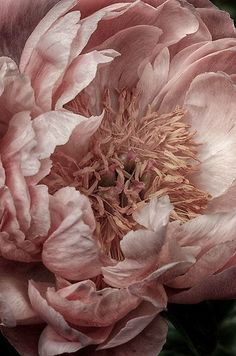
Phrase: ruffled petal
pixel 216 287
pixel 51 343
pixel 83 305
pixel 17 21
pixel 149 342
pixel 16 93
pixel 217 169
pixel 71 251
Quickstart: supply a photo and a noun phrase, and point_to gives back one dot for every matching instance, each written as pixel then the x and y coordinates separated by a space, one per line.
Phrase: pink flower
pixel 117 171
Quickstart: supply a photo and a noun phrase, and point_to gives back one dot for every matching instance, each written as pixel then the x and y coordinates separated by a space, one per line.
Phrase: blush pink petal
pixel 225 25
pixel 83 305
pixel 206 265
pixel 122 72
pixel 51 343
pixel 81 72
pixel 71 251
pixel 16 93
pixel 44 25
pixel 15 308
pixel 17 21
pixel 175 90
pixel 218 163
pixel 216 287
pixel 130 326
pixel 149 342
pixel 52 317
pixel 153 78
pixel 207 231
pixel 149 254
pixel 49 61
pixel 154 215
pixel 225 202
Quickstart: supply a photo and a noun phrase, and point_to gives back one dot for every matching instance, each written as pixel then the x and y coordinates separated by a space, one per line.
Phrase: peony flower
pixel 117 171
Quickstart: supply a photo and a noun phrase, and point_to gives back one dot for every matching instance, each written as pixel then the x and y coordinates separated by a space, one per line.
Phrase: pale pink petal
pixel 207 231
pixel 176 21
pixel 16 93
pixel 81 72
pixel 193 53
pixel 51 58
pixel 154 215
pixel 122 72
pixel 218 163
pixel 149 342
pixel 152 79
pixel 52 317
pixel 17 20
pixel 174 92
pixel 225 202
pixel 206 265
pixel 225 25
pixel 151 291
pixel 90 24
pixel 55 128
pixel 140 249
pixel 51 343
pixel 15 308
pixel 71 251
pixel 56 12
pixel 83 305
pixel 130 326
pixel 216 287
pixel 39 211
pixel 18 143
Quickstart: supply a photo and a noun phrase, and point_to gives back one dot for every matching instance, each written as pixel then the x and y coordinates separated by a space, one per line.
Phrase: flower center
pixel 130 161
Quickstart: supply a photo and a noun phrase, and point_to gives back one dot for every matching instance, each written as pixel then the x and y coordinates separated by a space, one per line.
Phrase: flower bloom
pixel 117 171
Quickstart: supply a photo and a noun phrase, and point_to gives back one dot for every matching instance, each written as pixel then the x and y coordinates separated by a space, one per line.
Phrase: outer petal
pixel 53 318
pixel 16 93
pixel 71 251
pixel 83 305
pixel 130 326
pixel 218 163
pixel 149 342
pixel 225 25
pixel 15 308
pixel 216 287
pixel 51 343
pixel 17 21
pixel 49 61
pixel 206 265
pixel 56 12
pixel 174 92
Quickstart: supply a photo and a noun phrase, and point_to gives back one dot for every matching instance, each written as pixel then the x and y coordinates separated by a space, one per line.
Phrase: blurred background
pixel 228 5
pixel 207 329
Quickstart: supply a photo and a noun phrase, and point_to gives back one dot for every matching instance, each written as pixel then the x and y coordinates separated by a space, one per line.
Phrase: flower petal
pixel 71 251
pixel 83 305
pixel 216 287
pixel 218 163
pixel 51 343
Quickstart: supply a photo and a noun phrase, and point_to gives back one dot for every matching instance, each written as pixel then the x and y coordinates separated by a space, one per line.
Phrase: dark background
pixel 178 343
